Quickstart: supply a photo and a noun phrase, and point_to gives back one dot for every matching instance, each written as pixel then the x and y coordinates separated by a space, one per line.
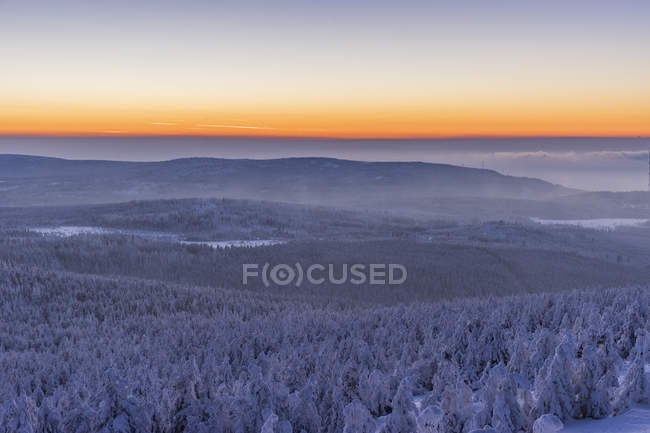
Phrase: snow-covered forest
pixel 445 259
pixel 138 331
pixel 87 354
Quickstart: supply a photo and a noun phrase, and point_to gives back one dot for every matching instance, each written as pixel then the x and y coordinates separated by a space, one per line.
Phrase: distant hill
pixel 26 180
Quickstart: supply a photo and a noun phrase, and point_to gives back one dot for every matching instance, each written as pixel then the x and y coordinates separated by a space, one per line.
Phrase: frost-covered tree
pixel 592 397
pixel 272 424
pixel 358 419
pixel 375 392
pixel 430 420
pixel 634 386
pixel 457 405
pixel 120 413
pixel 303 410
pixel 507 414
pixel 49 418
pixel 554 391
pixel 402 417
pixel 18 415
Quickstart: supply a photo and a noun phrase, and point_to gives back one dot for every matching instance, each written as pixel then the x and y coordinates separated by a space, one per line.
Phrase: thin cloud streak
pixel 208 125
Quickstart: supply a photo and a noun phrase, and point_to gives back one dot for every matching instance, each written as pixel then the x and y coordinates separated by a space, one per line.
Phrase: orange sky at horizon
pixel 416 122
pixel 447 108
pixel 374 69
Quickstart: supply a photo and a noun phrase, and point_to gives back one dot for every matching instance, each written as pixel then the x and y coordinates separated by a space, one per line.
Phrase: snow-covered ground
pixel 596 223
pixel 67 231
pixel 635 420
pixel 237 244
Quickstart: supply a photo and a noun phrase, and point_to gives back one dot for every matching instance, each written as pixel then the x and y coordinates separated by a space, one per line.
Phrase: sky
pixel 337 68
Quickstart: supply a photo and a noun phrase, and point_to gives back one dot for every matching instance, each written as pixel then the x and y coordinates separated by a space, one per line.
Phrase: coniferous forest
pixel 501 325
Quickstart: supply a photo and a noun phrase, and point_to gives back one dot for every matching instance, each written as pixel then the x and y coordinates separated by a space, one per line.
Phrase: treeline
pixel 211 219
pixel 94 354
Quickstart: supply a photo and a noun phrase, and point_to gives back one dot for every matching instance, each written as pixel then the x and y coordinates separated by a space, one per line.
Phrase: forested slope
pixel 87 354
pixel 435 270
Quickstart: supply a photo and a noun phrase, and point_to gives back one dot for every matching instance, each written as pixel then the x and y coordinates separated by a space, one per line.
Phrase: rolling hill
pixel 28 180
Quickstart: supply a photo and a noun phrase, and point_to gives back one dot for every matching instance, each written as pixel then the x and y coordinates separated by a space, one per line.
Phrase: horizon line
pixel 340 138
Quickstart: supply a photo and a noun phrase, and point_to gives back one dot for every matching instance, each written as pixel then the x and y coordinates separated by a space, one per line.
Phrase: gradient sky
pixel 334 68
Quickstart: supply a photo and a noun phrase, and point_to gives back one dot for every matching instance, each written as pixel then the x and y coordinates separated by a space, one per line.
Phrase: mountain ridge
pixel 26 179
